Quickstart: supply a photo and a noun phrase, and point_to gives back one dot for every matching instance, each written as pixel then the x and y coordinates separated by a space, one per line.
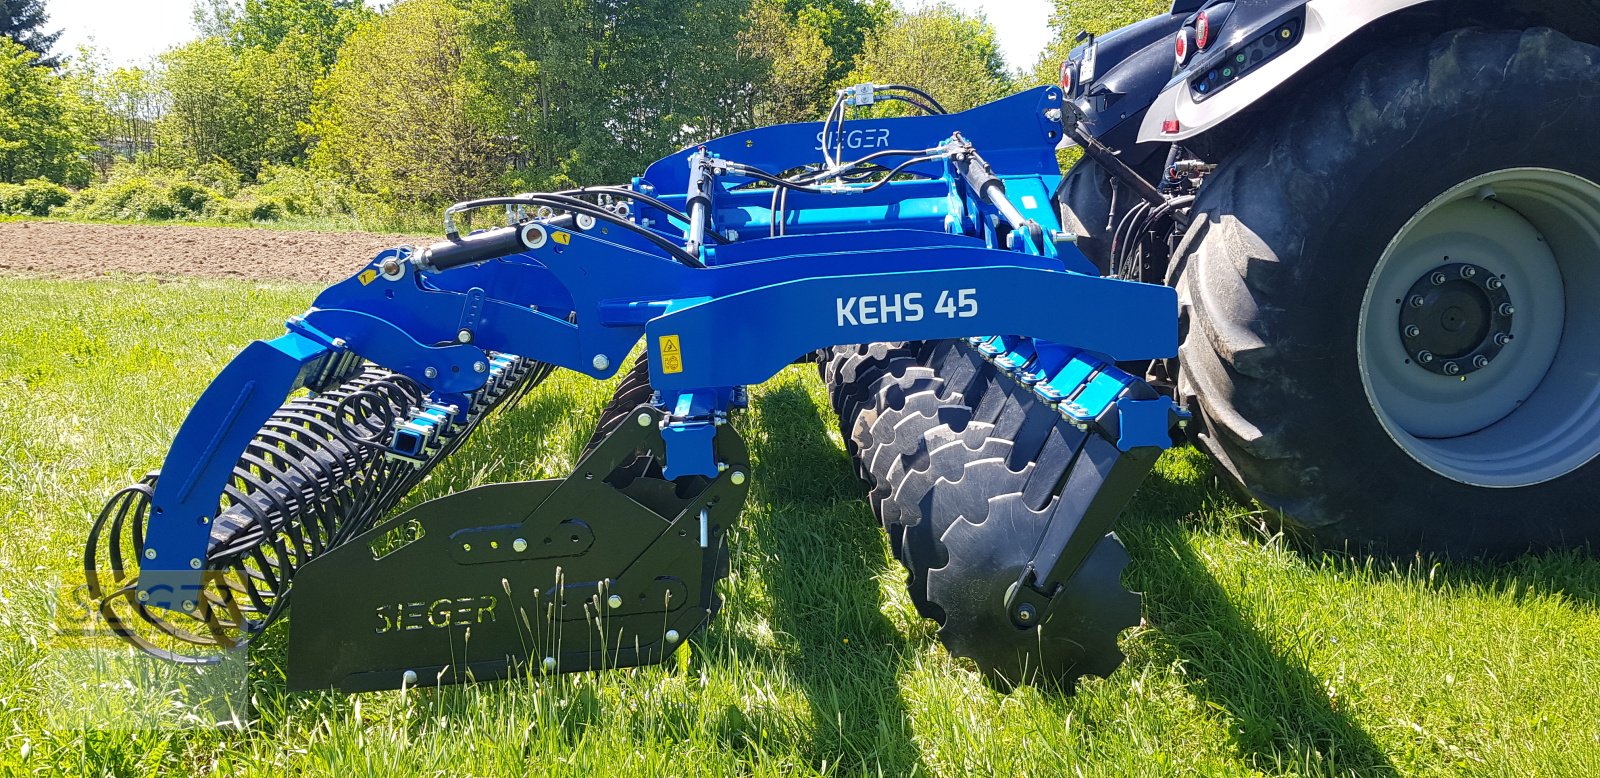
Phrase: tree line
pixel 284 107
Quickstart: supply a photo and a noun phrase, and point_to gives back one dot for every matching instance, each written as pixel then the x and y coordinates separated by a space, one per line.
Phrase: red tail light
pixel 1184 46
pixel 1066 78
pixel 1202 30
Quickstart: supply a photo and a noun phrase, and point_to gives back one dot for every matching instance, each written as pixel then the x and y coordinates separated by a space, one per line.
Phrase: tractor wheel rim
pixel 1501 274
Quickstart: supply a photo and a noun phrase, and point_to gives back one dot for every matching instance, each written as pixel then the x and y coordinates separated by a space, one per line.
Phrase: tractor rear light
pixel 1202 31
pixel 1184 46
pixel 1171 127
pixel 1066 78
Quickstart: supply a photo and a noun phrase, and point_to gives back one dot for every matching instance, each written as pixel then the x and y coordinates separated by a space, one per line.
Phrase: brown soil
pixel 66 250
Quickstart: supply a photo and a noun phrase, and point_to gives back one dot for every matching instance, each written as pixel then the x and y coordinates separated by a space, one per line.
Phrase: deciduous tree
pixel 952 55
pixel 37 140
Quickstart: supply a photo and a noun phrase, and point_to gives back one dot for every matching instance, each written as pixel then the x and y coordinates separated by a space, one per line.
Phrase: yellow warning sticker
pixel 368 276
pixel 671 355
pixel 561 237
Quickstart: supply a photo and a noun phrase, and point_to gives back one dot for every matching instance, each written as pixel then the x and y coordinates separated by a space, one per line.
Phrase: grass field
pixel 1255 658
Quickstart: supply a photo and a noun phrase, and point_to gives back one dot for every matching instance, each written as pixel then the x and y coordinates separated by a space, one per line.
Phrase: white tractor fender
pixel 1327 23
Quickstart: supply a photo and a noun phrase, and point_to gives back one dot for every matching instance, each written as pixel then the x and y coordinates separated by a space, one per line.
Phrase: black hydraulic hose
pixel 630 194
pixel 823 175
pixel 761 175
pixel 644 198
pixel 499 242
pixel 925 108
pixel 913 90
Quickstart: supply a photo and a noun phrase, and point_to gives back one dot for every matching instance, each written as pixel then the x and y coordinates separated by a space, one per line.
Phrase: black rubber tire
pixel 1286 235
pixel 1084 200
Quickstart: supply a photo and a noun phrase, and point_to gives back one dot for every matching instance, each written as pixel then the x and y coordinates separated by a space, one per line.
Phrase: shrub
pixel 191 197
pixel 268 210
pixel 34 198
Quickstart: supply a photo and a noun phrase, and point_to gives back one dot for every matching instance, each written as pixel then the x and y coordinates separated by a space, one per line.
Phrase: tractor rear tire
pixel 1390 300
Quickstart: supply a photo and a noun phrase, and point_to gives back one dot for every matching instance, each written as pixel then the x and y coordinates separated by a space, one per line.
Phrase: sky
pixel 132 31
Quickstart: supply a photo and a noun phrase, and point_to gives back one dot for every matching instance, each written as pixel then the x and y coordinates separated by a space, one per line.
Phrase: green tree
pixel 592 90
pixel 323 25
pixel 23 21
pixel 1095 16
pixel 37 140
pixel 116 109
pixel 792 62
pixel 843 25
pixel 399 118
pixel 951 55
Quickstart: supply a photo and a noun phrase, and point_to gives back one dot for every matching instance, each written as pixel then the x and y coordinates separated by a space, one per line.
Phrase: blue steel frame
pixel 919 258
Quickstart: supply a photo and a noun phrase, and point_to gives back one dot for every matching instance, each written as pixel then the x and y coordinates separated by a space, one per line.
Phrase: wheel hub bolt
pixel 1501 338
pixel 1413 331
pixel 1494 283
pixel 1451 368
pixel 1425 357
pixel 1507 309
pixel 1417 301
pixel 1480 361
pixel 1439 279
pixel 1468 271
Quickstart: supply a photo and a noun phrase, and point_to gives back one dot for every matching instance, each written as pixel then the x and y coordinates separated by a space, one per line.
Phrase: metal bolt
pixel 340 343
pixel 188 605
pixel 585 221
pixel 1451 368
pixel 601 362
pixel 672 636
pixel 519 545
pixel 409 678
pixel 1480 361
pixel 1507 309
pixel 1425 357
pixel 1494 283
pixel 730 234
pixel 1417 301
pixel 1413 331
pixel 1054 114
pixel 194 564
pixel 149 553
pixel 644 419
pixel 549 664
pixel 1501 338
pixel 144 596
pixel 390 268
pixel 614 601
pixel 1468 271
pixel 480 367
pixel 1025 612
pixel 737 478
pixel 722 467
pixel 464 336
pixel 1439 279
pixel 430 373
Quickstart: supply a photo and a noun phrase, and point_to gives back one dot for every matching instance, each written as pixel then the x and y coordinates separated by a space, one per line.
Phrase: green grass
pixel 1255 658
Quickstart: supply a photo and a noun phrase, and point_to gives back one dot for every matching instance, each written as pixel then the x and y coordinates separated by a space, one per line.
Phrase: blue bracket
pixel 225 419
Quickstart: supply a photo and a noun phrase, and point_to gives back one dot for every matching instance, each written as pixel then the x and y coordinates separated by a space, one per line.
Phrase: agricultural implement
pixel 999 462
pixel 1348 237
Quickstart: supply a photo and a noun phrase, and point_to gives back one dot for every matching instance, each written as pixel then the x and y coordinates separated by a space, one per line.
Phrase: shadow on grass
pixel 1278 712
pixel 821 556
